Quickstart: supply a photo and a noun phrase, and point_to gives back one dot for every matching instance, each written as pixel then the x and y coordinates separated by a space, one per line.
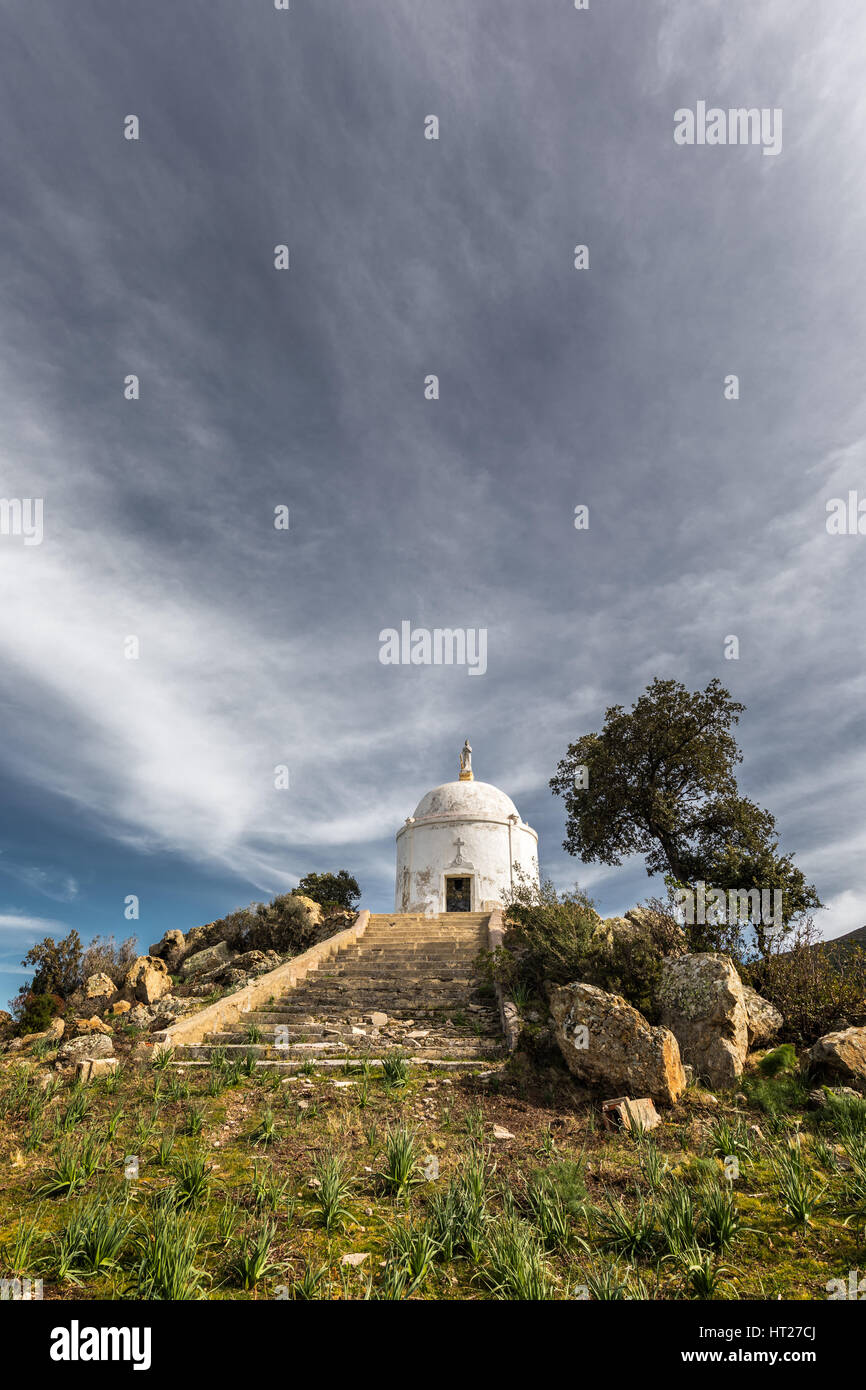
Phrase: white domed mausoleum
pixel 458 852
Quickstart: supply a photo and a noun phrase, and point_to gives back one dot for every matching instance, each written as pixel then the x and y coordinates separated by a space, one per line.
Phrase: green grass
pixel 257 1194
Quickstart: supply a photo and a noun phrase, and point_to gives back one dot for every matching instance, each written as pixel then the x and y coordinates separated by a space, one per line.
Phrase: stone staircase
pixel 408 987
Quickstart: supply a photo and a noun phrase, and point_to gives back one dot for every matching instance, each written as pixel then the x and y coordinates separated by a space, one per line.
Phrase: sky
pixel 153 775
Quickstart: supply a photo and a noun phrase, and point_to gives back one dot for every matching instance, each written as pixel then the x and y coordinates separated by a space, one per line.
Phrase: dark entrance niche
pixel 458 895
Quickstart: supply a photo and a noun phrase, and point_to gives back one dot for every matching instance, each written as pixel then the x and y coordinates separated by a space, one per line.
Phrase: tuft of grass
pixel 610 1282
pixel 720 1218
pixel 267 1130
pixel 798 1186
pixel 627 1233
pixel 780 1060
pixel 191 1184
pixel 17 1254
pixel 95 1237
pixel 331 1194
pixel 250 1259
pixel 72 1168
pixel 306 1289
pixel 193 1121
pixel 548 1211
pixel 401 1160
pixel 168 1246
pixel 395 1073
pixel 513 1265
pixel 413 1246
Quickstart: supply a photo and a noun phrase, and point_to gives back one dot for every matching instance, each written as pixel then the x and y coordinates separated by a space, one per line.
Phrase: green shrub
pixel 780 1060
pixel 37 1012
pixel 561 938
pixel 283 925
pixel 814 985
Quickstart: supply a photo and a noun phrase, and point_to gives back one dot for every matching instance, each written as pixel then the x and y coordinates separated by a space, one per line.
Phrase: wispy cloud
pixel 259 648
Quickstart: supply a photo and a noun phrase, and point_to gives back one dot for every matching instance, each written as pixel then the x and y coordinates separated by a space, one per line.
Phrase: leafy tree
pixel 58 965
pixel 659 780
pixel 57 974
pixel 331 890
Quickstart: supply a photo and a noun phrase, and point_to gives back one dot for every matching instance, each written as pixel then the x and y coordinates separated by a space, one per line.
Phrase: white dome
pixel 474 800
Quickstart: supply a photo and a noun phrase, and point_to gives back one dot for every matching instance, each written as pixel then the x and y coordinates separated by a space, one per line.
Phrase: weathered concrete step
pixel 313 1051
pixel 386 935
pixel 302 1015
pixel 399 974
pixel 305 1032
pixel 353 1064
pixel 371 987
pixel 455 950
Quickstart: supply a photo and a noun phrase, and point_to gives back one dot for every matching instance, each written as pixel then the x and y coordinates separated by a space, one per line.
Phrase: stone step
pixel 350 1064
pixel 368 985
pixel 420 971
pixel 418 943
pixel 317 1027
pixel 312 1051
pixel 400 974
pixel 407 950
pixel 300 1016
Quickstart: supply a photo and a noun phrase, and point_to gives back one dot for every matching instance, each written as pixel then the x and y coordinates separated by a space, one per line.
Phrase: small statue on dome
pixel 466 774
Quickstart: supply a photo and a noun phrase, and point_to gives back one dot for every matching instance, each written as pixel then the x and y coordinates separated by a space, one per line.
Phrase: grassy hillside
pixel 253 1185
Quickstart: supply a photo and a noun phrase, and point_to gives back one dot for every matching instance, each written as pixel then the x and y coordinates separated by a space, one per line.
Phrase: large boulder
pixel 98 992
pixel 702 1001
pixel 239 969
pixel 763 1019
pixel 609 1046
pixel 171 948
pixel 842 1056
pixel 313 908
pixel 202 962
pixel 147 980
pixel 90 1045
pixel 256 962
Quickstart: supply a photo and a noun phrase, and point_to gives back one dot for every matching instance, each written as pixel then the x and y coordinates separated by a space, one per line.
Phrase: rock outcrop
pixel 610 1047
pixel 146 980
pixel 88 1046
pixel 763 1019
pixel 202 962
pixel 703 1003
pixel 98 992
pixel 842 1056
pixel 171 948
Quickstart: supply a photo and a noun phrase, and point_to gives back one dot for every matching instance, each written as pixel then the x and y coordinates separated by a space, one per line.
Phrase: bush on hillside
pixel 284 925
pixel 560 938
pixel 815 986
pixel 338 890
pixel 37 1011
pixel 105 957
